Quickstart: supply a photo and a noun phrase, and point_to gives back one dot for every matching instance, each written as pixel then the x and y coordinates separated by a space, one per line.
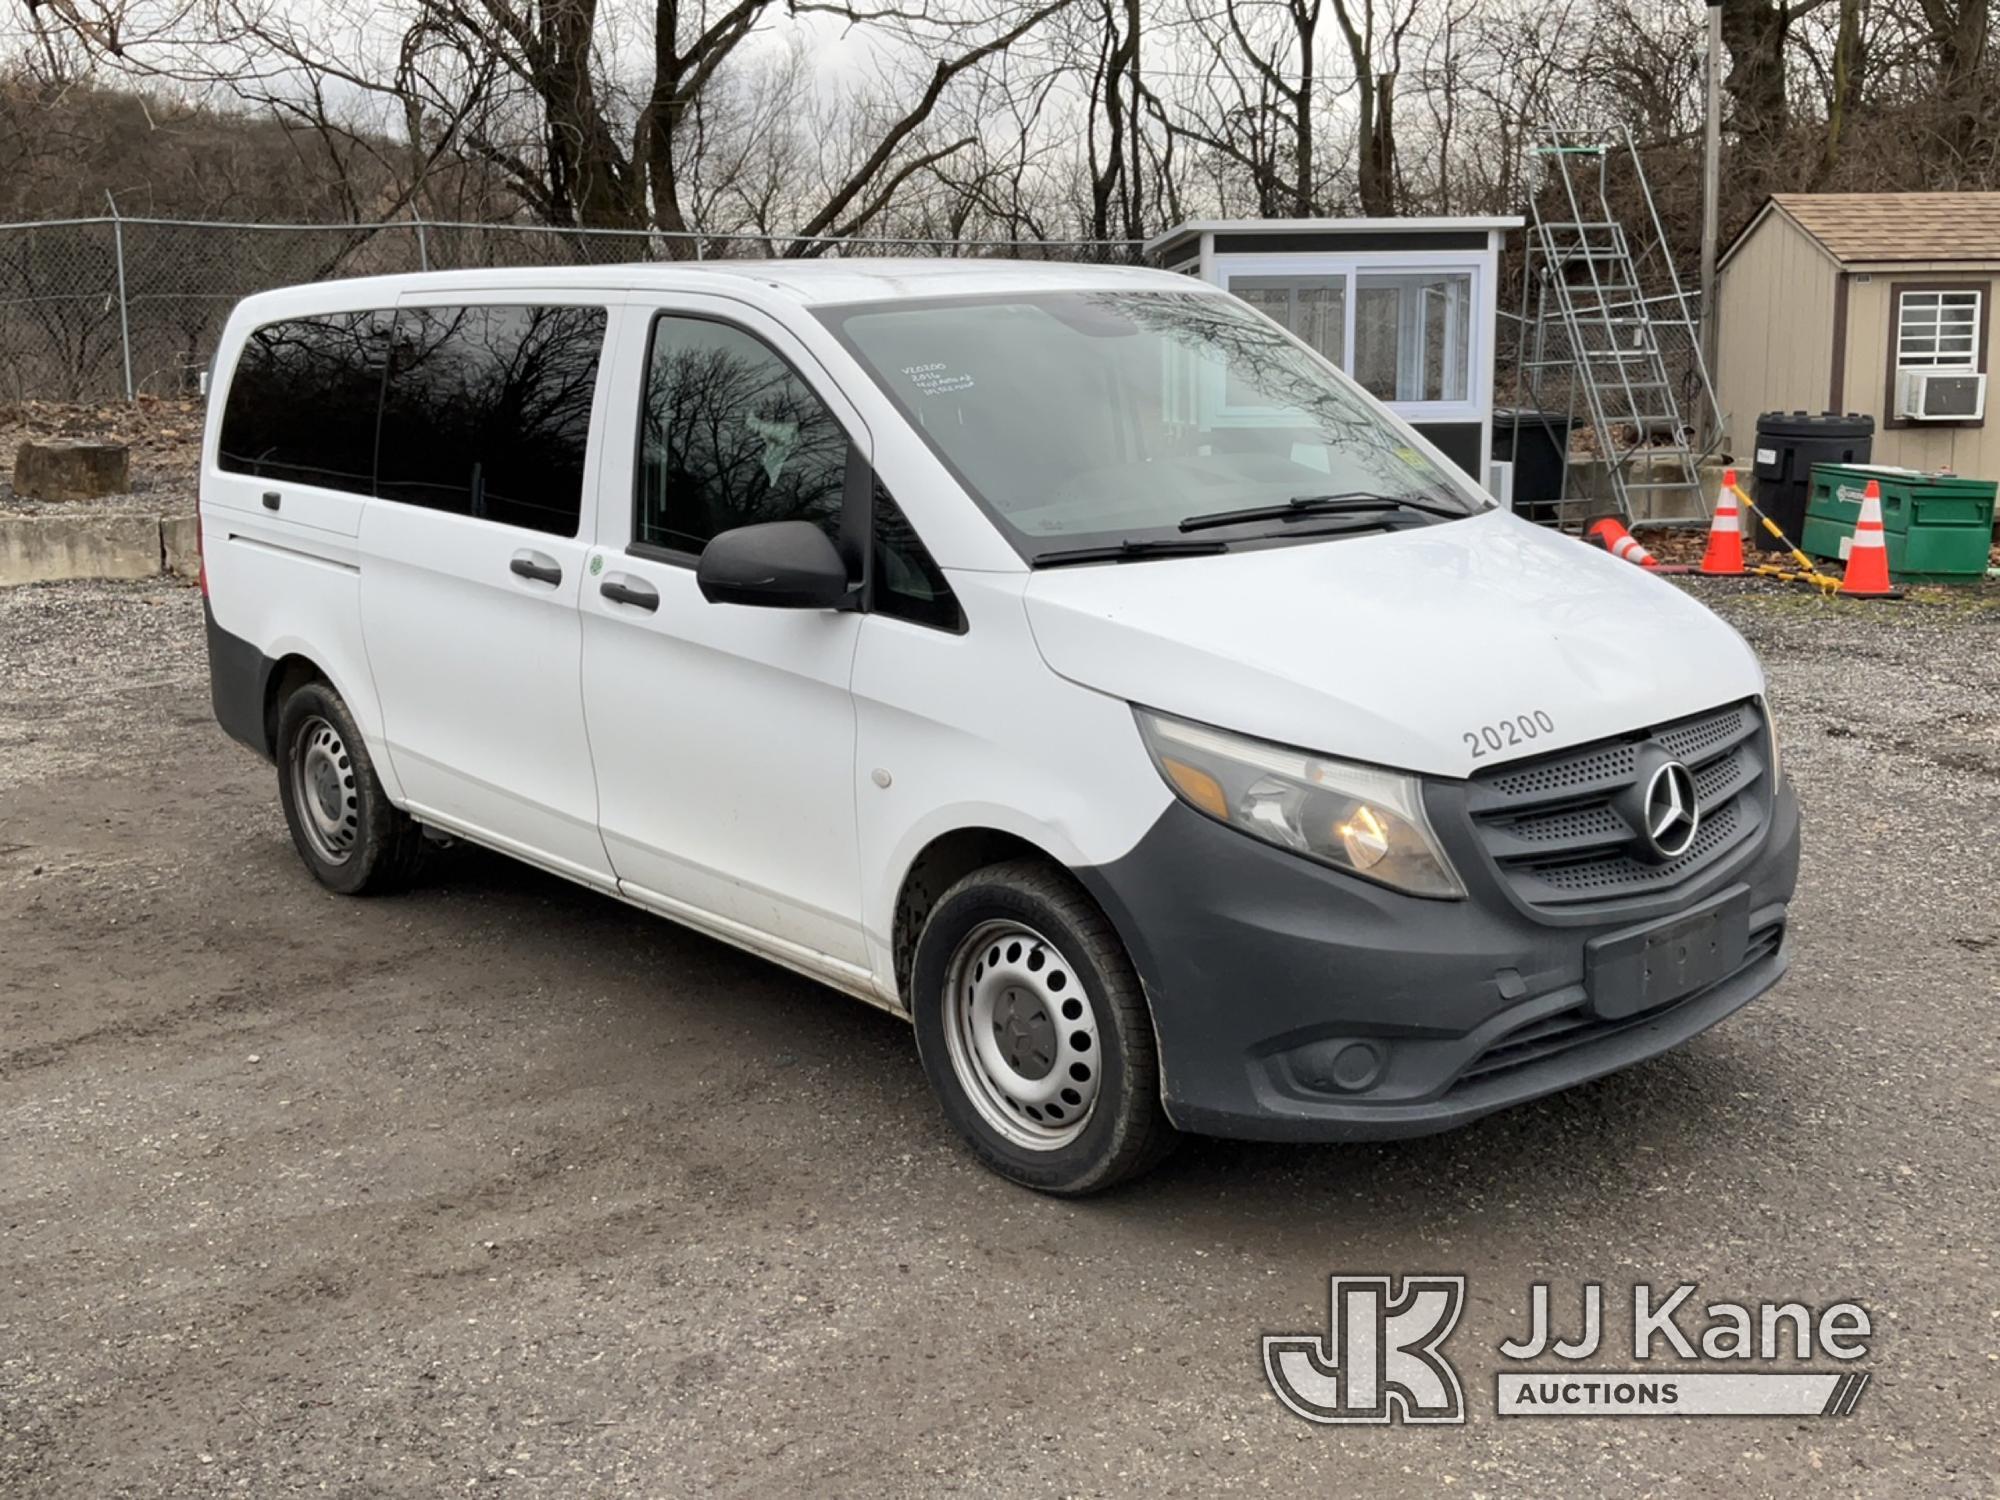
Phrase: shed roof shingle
pixel 1899 226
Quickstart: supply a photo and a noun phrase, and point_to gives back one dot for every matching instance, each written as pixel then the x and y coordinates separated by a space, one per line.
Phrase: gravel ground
pixel 501 1186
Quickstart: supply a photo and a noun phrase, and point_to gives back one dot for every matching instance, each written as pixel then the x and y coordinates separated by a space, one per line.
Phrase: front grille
pixel 1553 1035
pixel 1558 829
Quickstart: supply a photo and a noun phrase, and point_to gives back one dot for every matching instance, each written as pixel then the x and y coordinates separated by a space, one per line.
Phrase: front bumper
pixel 1293 1002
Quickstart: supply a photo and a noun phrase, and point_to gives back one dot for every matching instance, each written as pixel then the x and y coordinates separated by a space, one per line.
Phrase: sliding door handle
pixel 622 588
pixel 536 565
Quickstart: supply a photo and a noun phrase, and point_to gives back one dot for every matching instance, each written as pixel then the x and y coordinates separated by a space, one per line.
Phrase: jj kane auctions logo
pixel 1382 1358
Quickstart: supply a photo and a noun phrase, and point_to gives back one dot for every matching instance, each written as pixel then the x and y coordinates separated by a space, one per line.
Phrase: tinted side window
pixel 908 584
pixel 487 412
pixel 303 399
pixel 731 437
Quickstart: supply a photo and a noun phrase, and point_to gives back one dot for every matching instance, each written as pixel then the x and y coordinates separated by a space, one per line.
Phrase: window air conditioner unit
pixel 1940 396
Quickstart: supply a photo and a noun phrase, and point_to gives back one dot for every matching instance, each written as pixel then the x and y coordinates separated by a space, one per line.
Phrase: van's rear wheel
pixel 1035 1034
pixel 345 828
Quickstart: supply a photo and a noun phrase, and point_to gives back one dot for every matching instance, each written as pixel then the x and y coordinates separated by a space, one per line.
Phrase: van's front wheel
pixel 353 839
pixel 1035 1034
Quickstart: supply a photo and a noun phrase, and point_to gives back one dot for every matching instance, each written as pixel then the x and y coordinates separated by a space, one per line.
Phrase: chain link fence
pixel 1535 367
pixel 104 308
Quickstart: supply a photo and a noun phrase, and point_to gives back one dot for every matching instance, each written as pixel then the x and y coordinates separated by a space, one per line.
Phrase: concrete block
pixel 180 543
pixel 44 549
pixel 70 469
pixel 1589 477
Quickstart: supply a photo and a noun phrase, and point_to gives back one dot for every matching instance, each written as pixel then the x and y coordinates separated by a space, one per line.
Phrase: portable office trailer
pixel 1406 306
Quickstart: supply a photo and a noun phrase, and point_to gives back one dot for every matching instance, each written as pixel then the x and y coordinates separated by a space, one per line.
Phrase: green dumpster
pixel 1939 527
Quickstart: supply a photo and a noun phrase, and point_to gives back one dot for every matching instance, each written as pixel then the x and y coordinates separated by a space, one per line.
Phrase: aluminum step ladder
pixel 1610 338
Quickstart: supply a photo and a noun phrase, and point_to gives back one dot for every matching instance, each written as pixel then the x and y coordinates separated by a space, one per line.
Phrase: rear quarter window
pixel 303 399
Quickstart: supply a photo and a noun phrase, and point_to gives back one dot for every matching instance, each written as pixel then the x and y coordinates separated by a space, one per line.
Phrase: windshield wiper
pixel 1301 506
pixel 1428 504
pixel 1130 551
pixel 1380 521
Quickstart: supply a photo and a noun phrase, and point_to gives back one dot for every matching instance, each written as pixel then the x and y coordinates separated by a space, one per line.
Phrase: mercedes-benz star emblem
pixel 1671 813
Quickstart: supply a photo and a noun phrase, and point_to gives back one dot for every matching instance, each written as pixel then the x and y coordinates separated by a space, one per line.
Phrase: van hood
pixel 1398 648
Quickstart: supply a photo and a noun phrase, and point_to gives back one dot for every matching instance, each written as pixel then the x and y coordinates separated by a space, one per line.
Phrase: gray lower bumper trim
pixel 1285 1119
pixel 1294 1002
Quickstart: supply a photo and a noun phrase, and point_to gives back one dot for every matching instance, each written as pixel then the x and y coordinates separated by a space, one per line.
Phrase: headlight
pixel 1356 818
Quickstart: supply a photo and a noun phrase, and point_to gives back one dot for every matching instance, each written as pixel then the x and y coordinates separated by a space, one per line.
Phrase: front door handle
pixel 536 565
pixel 622 588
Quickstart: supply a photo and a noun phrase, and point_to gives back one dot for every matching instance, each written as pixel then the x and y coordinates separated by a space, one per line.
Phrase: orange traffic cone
pixel 1867 575
pixel 1725 533
pixel 1610 534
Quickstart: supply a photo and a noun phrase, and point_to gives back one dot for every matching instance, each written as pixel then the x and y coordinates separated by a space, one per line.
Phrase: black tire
pixel 1125 1130
pixel 373 846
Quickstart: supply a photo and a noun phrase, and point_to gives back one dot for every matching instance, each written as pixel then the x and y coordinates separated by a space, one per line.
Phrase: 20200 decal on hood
pixel 1398 648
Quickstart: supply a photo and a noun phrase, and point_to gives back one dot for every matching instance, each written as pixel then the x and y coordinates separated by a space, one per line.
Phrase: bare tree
pixel 967 119
pixel 1252 107
pixel 1374 34
pixel 1842 82
pixel 1117 94
pixel 1758 34
pixel 530 90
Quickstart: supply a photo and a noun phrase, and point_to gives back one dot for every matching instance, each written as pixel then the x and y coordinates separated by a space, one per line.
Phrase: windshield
pixel 1088 418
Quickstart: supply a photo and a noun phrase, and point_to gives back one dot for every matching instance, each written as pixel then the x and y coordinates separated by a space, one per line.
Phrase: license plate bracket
pixel 1643 968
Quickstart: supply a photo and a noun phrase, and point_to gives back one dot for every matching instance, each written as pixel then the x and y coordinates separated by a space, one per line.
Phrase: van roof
pixel 810 282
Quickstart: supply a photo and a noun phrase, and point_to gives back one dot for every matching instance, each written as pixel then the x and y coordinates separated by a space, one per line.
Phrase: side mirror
pixel 780 565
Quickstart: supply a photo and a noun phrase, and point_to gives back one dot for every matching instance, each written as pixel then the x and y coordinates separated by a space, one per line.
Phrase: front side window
pixel 487 412
pixel 1092 418
pixel 731 436
pixel 302 401
pixel 1937 330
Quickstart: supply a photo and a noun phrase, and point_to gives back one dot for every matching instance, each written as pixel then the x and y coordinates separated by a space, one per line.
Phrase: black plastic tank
pixel 1789 443
pixel 1537 444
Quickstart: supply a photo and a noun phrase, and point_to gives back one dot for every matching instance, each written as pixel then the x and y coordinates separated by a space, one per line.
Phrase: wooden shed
pixel 1866 302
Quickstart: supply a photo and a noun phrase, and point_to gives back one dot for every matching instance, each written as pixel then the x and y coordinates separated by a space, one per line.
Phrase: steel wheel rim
pixel 324 791
pixel 1022 1036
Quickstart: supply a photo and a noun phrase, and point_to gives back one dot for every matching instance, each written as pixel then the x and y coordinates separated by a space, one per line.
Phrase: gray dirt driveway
pixel 501 1185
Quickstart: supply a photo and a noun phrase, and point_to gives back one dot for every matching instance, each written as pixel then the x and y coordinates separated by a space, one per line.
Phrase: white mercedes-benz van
pixel 1065 658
